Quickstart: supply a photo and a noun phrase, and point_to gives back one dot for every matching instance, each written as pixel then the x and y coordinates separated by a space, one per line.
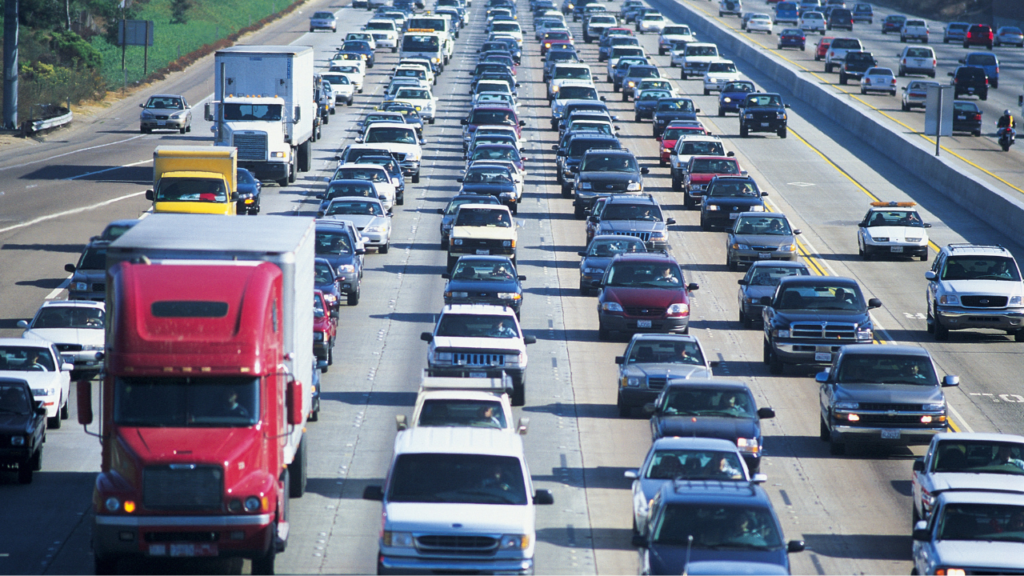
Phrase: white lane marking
pixel 70 212
pixel 108 169
pixel 72 152
pixel 959 419
pixel 56 291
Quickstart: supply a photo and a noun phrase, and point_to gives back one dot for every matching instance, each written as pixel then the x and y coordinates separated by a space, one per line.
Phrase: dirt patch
pixel 979 11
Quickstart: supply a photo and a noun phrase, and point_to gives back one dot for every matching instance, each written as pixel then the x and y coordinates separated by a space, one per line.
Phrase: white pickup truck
pixel 914 29
pixel 837 51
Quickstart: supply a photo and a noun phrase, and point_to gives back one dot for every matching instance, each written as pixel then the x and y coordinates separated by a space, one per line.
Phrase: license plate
pixel 764 124
pixel 890 434
pixel 764 255
pixel 643 323
pixel 970 90
pixel 161 122
pixel 183 550
pixel 478 374
pixel 961 117
pixel 483 252
pixel 822 356
pixel 734 215
pixel 896 249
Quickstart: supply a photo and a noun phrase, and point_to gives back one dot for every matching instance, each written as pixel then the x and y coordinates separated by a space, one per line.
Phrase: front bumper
pixel 515 372
pixel 376 238
pixel 158 536
pixel 957 318
pixel 419 565
pixel 267 170
pixel 14 454
pixel 636 397
pixel 618 322
pixel 911 436
pixel 750 256
pixel 809 352
pixel 762 125
pixel 168 124
pixel 916 250
pixel 410 167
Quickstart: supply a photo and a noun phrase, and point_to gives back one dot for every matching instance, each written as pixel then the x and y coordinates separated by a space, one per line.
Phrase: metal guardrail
pixel 48 123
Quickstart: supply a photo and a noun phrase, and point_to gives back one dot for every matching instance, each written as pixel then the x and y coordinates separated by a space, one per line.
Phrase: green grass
pixel 208 22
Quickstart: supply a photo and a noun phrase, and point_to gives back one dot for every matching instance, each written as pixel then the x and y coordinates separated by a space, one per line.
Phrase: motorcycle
pixel 1006 138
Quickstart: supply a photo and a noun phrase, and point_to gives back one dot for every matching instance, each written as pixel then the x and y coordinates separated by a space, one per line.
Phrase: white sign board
pixel 939 102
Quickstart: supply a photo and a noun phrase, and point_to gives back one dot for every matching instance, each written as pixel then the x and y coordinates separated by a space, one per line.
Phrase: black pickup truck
pixel 855 65
pixel 760 112
pixel 22 428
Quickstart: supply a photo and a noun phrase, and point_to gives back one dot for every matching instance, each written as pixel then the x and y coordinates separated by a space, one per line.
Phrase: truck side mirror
pixel 645 170
pixel 742 282
pixel 400 422
pixel 921 533
pixel 821 377
pixel 543 497
pixel 950 380
pixel 427 337
pixel 529 339
pixel 918 465
pixel 620 360
pixel 874 303
pixel 766 300
pixel 670 221
pixel 373 493
pixel 765 413
pixel 692 287
pixel 69 268
pixel 234 196
pixel 296 415
pixel 298 113
pixel 795 546
pixel 83 389
pixel 207 112
pixel 730 154
pixel 650 408
pixel 149 195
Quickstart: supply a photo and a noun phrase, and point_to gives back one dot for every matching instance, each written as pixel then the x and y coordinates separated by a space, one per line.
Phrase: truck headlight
pixel 714 208
pixel 508 243
pixel 611 307
pixel 658 235
pixel 347 269
pixel 934 407
pixel 509 295
pixel 512 359
pixel 457 294
pixel 252 504
pixel 780 115
pixel 748 445
pixel 81 286
pixel 847 406
pixel 780 333
pixel 398 539
pixel 443 357
pixel 748 116
pixel 630 382
pixel 457 241
pixel 865 334
pixel 679 309
pixel 1015 301
pixel 278 154
pixel 414 155
pixel 756 209
pixel 112 504
pixel 585 186
pixel 949 299
pixel 17 440
pixel 633 187
pixel 593 271
pixel 515 542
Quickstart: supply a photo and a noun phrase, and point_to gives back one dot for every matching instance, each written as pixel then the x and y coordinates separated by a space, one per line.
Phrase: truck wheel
pixel 941 332
pixel 105 565
pixel 305 156
pixel 416 177
pixel 677 184
pixel 353 297
pixel 823 433
pixel 836 448
pixel 782 132
pixel 384 249
pixel 37 460
pixel 518 391
pixel 25 471
pixel 566 191
pixel 297 472
pixel 265 563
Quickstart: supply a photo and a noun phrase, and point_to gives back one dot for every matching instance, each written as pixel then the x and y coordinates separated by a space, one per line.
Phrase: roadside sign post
pixel 938 113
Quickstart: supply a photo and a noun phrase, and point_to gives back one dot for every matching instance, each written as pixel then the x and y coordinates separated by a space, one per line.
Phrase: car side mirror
pixel 22 324
pixel 862 224
pixel 918 465
pixel 460 179
pixel 522 122
pixel 874 303
pixel 522 278
pixel 554 147
pixel 529 339
pixel 400 422
pixel 821 377
pixel 427 337
pixel 962 60
pixel 440 211
pixel 620 360
pixel 921 532
pixel 926 225
pixel 786 105
pixel 69 268
pixel 730 154
pixel 631 474
pixel 543 497
pixel 645 170
pixel 464 122
pixel 149 195
pixel 797 232
pixel 743 172
pixel 950 380
pixel 766 300
pixel 446 275
pixel 360 250
pixel 949 73
pixel 639 541
pixel 692 287
pixel 581 253
pixel 759 478
pixel 763 194
pixel 742 281
pixel 795 546
pixel 670 221
pixel 765 413
pixel 649 408
pixel 373 493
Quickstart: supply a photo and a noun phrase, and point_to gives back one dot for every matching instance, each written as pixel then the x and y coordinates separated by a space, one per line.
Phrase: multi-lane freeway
pixel 853 511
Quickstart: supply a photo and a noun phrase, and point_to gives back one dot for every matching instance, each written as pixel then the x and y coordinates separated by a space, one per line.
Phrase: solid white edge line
pixel 70 212
pixel 56 291
pixel 108 169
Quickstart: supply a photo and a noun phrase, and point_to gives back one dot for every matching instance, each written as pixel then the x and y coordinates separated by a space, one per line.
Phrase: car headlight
pixel 593 271
pixel 738 246
pixel 44 392
pixel 934 407
pixel 780 115
pixel 451 294
pixel 17 440
pixel 509 295
pixel 787 248
pixel 457 241
pixel 443 357
pixel 879 238
pixel 949 299
pixel 748 116
pixel 376 228
pixel 611 307
pixel 512 359
pixel 585 186
pixel 714 207
pixel 398 539
pixel 318 336
pixel 865 334
pixel 631 83
pixel 756 209
pixel 666 150
pixel 679 309
pixel 1015 301
pixel 748 445
pixel 630 382
pixel 634 187
pixel 914 240
pixel 780 333
pixel 726 99
pixel 347 269
pixel 81 286
pixel 847 406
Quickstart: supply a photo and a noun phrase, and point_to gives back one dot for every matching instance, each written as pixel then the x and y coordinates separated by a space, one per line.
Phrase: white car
pixel 371 173
pixel 568 73
pixel 491 88
pixel 342 86
pixel 892 228
pixel 760 23
pixel 812 22
pixel 368 216
pixel 349 66
pixel 510 28
pixel 403 142
pixel 422 64
pixel 917 60
pixel 384 32
pixel 417 72
pixel 458 402
pixel 76 327
pixel 362 37
pixel 353 73
pixel 329 98
pixel 657 84
pixel 719 74
pixel 878 80
pixel 696 59
pixel 688 146
pixel 48 373
pixel 672 34
pixel 421 98
pixel 652 22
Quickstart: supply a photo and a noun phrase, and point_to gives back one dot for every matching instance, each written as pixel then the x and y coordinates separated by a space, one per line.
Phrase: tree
pixel 179 11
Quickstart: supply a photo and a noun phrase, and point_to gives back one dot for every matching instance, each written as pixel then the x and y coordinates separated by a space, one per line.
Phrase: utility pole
pixel 10 119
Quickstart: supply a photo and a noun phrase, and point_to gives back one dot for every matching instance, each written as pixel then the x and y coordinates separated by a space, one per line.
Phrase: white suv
pixel 972 286
pixel 457 500
pixel 472 402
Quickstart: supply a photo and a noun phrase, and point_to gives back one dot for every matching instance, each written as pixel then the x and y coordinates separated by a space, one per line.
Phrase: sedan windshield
pixel 576 72
pixel 693 401
pixel 901 218
pixel 770 275
pixel 722 67
pixel 886 369
pixel 675 106
pixel 26 359
pixel 708 166
pixel 488 175
pixel 645 212
pixel 367 174
pixel 165 402
pixel 355 208
pixel 609 248
pixel 645 275
pixel 457 479
pixel 333 244
pixel 691 148
pixel 386 134
pixel 729 189
pixel 577 93
pixel 717 527
pixel 763 225
pixel 665 352
pixel 694 465
pixel 69 317
pixel 483 270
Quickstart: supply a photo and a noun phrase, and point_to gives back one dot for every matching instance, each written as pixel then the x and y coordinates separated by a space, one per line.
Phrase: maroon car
pixel 489 116
pixel 643 293
pixel 325 331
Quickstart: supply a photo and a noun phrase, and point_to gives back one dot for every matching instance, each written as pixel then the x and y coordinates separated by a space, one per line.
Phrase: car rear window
pixel 970 73
pixel 840 13
pixel 919 53
pixel 981 60
pixel 846 44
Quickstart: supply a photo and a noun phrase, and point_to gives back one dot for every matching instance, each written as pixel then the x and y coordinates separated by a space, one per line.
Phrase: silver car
pixel 757 236
pixel 761 280
pixel 971 533
pixel 1010 35
pixel 368 216
pixel 323 21
pixel 915 94
pixel 165 112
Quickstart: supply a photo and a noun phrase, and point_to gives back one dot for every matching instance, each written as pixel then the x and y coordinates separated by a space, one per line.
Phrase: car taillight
pixel 976 117
pixel 893 81
pixel 968 35
pixel 933 61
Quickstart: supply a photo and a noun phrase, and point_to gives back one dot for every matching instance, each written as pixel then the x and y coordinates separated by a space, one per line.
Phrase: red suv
pixel 979 35
pixel 643 293
pixel 325 331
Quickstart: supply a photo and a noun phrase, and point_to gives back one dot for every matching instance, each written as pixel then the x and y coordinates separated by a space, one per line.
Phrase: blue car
pixel 731 96
pixel 728 526
pixel 671 109
pixel 647 102
pixel 484 280
pixel 491 180
pixel 345 188
pixel 336 242
pixel 360 48
pixel 248 192
pixel 986 61
pixel 792 38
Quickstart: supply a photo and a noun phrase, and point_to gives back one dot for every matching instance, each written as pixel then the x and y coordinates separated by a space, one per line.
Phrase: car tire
pixel 863 91
pixel 54 423
pixel 924 256
pixel 566 191
pixel 416 178
pixel 64 411
pixel 181 130
pixel 836 448
pixel 893 93
pixel 941 332
pixel 677 184
pixel 983 96
pixel 828 68
pixel 682 74
pixel 721 112
pixel 578 212
pixel 707 92
pixel 26 469
pixel 783 132
pixel 636 118
pixel 384 249
pixel 842 77
pixel 823 432
pixel 625 97
pixel 603 334
pixel 584 290
pixel 264 564
pixel 904 106
pixel 744 132
pixel 353 297
pixel 518 396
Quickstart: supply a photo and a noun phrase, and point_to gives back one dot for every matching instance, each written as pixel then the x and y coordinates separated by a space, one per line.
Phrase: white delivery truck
pixel 263 105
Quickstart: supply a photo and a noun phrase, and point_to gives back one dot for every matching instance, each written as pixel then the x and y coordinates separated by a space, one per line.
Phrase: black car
pixel 491 180
pixel 761 112
pixel 606 172
pixel 713 527
pixel 971 81
pixel 966 117
pixel 248 192
pixel 855 65
pixel 326 280
pixel 576 106
pixel 840 18
pixel 726 197
pixel 671 109
pixel 484 280
pixel 599 255
pixel 568 158
pixel 711 409
pixel 22 427
pixel 336 242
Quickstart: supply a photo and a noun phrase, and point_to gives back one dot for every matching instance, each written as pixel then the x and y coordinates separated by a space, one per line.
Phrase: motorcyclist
pixel 1005 121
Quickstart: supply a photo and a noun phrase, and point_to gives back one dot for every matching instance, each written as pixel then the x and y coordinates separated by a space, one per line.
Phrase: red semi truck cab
pixel 196 407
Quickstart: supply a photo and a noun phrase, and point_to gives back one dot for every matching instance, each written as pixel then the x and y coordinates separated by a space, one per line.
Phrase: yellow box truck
pixel 194 179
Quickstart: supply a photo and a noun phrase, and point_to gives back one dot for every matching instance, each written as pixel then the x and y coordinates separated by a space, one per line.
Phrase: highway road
pixel 853 511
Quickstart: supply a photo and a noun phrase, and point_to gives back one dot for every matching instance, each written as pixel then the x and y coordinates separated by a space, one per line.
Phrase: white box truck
pixel 263 105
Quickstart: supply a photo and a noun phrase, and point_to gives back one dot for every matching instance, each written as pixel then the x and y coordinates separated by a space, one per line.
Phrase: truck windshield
pixel 223 402
pixel 417 43
pixel 886 369
pixel 474 413
pixel 718 527
pixel 458 478
pixel 265 112
pixel 191 190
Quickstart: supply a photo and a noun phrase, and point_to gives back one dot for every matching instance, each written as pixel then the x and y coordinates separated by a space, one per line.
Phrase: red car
pixel 699 172
pixel 644 293
pixel 673 132
pixel 822 48
pixel 325 331
pixel 979 35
